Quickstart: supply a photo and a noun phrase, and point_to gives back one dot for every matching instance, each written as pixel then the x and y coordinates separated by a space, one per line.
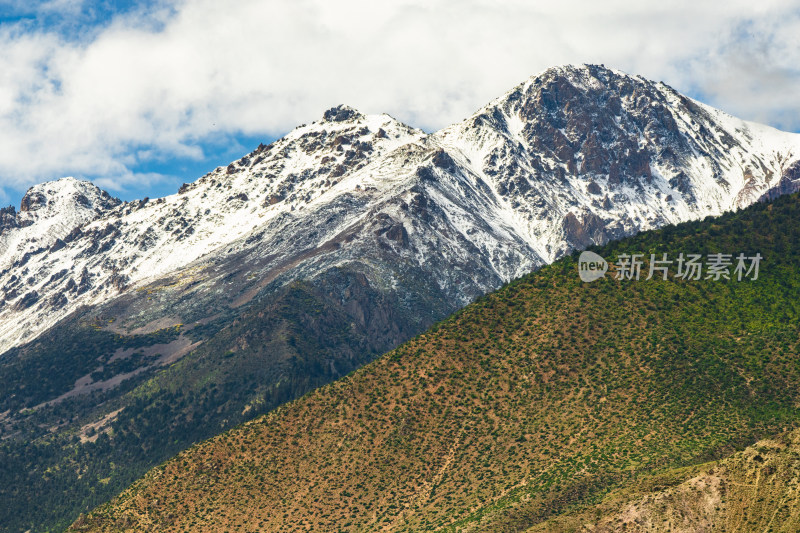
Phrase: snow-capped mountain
pixel 572 156
pixel 48 212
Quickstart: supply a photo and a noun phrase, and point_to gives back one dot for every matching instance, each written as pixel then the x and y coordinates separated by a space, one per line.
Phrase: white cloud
pixel 157 82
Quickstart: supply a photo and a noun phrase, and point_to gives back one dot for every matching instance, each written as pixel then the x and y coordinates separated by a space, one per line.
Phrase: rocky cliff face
pixel 788 184
pixel 581 155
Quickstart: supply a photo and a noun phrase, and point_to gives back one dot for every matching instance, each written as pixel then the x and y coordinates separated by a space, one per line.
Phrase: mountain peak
pixel 49 211
pixel 342 113
pixel 50 197
pixel 578 72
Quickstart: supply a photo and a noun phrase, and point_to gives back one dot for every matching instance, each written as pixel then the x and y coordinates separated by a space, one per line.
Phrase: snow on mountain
pixel 49 212
pixel 573 156
pixel 143 240
pixel 580 155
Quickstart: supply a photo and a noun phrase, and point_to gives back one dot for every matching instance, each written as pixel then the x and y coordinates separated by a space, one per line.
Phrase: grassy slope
pixel 293 340
pixel 534 400
pixel 753 490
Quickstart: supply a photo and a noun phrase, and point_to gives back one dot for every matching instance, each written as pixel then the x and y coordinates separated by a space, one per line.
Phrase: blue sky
pixel 78 20
pixel 178 170
pixel 142 96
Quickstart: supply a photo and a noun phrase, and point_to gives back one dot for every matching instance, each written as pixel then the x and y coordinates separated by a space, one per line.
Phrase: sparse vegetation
pixel 534 402
pixel 54 462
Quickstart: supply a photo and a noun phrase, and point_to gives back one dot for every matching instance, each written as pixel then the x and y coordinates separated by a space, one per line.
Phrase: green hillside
pixel 537 401
pixel 61 455
pixel 752 490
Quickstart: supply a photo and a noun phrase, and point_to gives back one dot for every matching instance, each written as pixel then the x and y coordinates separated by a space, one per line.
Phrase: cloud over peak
pixel 103 95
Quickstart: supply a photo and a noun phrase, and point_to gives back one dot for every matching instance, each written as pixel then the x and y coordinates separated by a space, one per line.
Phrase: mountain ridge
pixel 579 174
pixel 162 322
